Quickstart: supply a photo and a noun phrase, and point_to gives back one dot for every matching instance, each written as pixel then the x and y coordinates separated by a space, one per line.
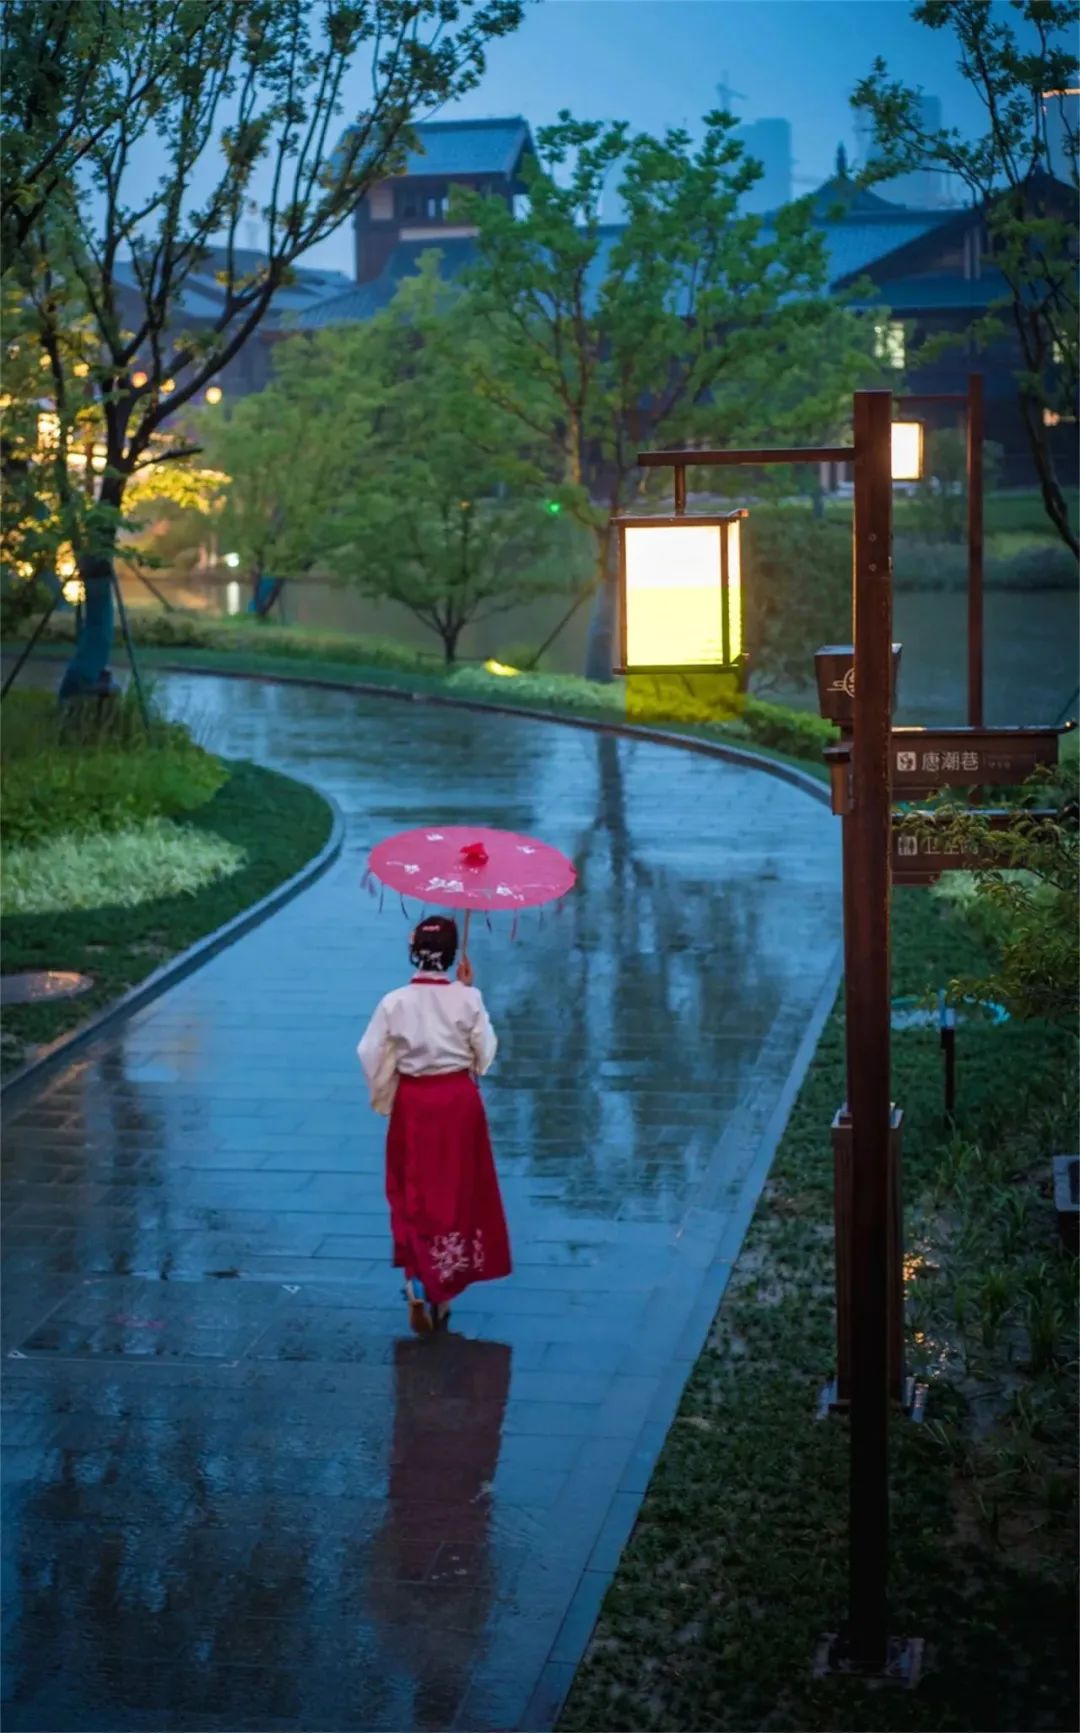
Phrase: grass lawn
pixel 213 645
pixel 80 808
pixel 738 1560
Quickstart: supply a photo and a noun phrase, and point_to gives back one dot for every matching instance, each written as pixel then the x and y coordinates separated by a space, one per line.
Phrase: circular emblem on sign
pixel 848 682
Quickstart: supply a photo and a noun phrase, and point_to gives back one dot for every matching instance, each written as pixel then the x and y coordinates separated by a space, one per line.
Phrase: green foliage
pixel 939 509
pixel 795 733
pixel 798 593
pixel 1019 562
pixel 1011 62
pixel 1024 905
pixel 120 868
pixel 276 823
pixel 692 320
pixel 738 1559
pixel 416 489
pixel 544 691
pixel 174 630
pixel 71 774
pixel 231 95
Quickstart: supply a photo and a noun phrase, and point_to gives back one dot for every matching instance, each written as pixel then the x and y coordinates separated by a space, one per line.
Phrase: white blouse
pixel 425 1030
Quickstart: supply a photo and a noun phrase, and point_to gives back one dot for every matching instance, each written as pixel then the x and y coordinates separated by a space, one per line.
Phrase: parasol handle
pixel 464 969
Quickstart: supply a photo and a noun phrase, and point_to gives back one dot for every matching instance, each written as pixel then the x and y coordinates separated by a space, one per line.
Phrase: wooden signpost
pixel 924 760
pixel 919 857
pixel 874 764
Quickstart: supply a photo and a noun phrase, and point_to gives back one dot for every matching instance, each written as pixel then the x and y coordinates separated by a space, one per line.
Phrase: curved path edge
pixel 183 964
pixel 745 755
pixel 623 1509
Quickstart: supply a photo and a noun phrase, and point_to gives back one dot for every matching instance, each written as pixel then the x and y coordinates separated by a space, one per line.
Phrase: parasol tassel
pixel 514 931
pixel 382 897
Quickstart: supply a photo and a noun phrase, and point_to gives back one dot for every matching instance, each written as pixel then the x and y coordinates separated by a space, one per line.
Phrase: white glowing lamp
pixel 232 560
pixel 907 450
pixel 680 592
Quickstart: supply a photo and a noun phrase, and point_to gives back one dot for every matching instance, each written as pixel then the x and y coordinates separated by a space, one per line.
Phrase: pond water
pixel 1032 642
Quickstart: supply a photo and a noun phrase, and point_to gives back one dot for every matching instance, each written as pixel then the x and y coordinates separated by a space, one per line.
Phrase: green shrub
pixel 114 869
pixel 798 593
pixel 797 733
pixel 1021 563
pixel 181 631
pixel 1023 906
pixel 544 691
pixel 73 772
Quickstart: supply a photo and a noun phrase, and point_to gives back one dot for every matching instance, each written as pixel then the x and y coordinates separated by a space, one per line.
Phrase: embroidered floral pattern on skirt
pixel 446 1211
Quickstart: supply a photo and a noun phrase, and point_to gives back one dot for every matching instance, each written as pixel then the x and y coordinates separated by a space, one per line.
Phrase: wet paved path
pixel 235 1496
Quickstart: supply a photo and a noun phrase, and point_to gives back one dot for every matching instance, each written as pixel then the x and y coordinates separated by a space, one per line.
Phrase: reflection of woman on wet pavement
pixel 422 1052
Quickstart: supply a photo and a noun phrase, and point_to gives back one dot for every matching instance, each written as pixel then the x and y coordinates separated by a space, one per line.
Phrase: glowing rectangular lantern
pixel 680 592
pixel 907 450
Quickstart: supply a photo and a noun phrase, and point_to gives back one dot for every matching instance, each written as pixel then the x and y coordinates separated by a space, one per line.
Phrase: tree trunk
pixel 450 636
pixel 87 673
pixel 600 652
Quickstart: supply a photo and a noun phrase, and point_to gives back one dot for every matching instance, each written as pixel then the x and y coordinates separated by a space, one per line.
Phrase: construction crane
pixel 725 92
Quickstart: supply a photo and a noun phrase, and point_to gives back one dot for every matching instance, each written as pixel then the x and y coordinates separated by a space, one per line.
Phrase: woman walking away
pixel 422 1052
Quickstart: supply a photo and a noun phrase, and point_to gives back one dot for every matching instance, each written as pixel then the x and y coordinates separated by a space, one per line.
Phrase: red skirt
pixel 446 1214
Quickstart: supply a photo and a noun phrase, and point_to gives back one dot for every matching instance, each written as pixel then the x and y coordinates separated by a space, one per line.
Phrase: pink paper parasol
pixel 471 867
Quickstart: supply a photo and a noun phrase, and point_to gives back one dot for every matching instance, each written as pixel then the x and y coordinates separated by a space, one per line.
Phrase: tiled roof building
pixel 926 270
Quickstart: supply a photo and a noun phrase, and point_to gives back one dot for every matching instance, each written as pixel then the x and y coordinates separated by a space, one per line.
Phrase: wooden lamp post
pixel 866 1647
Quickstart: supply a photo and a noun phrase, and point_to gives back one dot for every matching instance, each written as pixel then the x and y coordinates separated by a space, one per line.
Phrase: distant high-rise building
pixel 920 188
pixel 769 143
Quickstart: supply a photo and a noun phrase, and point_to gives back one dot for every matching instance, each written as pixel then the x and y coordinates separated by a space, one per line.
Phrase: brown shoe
pixel 419 1319
pixel 440 1317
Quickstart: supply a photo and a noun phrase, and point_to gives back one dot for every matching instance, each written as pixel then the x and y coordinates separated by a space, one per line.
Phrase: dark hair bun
pixel 434 944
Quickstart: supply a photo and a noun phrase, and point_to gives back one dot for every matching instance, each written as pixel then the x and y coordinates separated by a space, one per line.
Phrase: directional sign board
pixel 925 759
pixel 920 859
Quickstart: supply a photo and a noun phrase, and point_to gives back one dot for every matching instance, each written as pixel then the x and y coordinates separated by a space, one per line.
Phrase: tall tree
pixel 410 486
pixel 1024 71
pixel 67 79
pixel 248 91
pixel 690 319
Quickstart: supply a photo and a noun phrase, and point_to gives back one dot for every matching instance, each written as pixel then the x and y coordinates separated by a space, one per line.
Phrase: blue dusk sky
pixel 657 63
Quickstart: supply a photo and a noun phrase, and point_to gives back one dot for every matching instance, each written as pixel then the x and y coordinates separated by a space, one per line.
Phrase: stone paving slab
pixel 236 1495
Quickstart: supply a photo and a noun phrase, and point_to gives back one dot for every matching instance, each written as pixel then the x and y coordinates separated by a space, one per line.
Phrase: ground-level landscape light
pixel 501 668
pixel 680 593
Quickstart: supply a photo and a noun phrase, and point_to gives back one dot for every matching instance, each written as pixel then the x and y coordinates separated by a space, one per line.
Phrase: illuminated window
pixel 890 343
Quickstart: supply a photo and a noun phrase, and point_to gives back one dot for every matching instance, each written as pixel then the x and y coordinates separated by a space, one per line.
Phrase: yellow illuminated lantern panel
pixel 907 450
pixel 681 592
